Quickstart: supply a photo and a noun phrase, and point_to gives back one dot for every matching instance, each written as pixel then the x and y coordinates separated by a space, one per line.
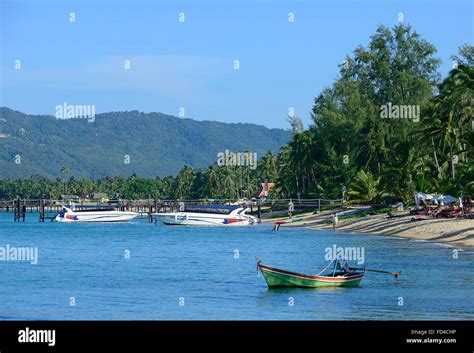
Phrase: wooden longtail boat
pixel 336 277
pixel 293 220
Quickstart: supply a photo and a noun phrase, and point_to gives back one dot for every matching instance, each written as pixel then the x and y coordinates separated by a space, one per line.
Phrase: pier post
pixel 23 210
pixel 41 209
pixel 14 211
pixel 18 209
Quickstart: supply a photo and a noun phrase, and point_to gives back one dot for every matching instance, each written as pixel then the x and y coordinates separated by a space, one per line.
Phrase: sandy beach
pixel 449 231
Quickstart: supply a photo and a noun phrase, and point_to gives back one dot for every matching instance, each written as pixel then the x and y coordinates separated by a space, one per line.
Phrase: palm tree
pixel 268 167
pixel 213 182
pixel 450 115
pixel 463 99
pixel 302 160
pixel 407 168
pixel 64 172
pixel 284 182
pixel 364 188
pixel 184 182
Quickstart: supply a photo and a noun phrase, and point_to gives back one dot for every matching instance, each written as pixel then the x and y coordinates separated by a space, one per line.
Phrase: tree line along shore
pixel 387 127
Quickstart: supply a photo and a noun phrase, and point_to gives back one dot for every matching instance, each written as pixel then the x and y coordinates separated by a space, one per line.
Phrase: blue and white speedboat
pixel 93 214
pixel 208 216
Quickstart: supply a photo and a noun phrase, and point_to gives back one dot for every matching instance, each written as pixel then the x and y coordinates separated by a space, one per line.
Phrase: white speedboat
pixel 208 216
pixel 93 214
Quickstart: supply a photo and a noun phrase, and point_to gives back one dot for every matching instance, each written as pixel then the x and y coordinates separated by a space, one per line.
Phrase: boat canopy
pixel 91 208
pixel 211 209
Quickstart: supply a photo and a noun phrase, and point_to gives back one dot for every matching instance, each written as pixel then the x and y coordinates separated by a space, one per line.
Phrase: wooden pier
pixel 47 209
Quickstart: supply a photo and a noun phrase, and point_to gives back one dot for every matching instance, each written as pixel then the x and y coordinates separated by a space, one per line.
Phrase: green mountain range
pixel 153 144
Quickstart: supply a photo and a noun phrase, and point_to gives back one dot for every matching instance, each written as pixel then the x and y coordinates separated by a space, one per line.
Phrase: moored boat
pixel 93 214
pixel 209 215
pixel 339 276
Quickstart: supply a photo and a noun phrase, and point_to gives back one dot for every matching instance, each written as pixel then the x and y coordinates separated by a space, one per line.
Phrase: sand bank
pixel 455 232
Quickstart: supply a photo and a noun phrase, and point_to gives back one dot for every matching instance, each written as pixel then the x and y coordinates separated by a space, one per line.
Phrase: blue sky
pixel 191 64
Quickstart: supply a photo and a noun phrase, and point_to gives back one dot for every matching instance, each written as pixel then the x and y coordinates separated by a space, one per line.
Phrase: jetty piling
pixel 41 211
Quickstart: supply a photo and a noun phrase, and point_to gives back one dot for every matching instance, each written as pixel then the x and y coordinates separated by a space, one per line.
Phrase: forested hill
pixel 154 144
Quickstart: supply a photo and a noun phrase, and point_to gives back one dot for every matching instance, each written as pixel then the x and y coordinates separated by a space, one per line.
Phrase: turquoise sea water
pixel 177 273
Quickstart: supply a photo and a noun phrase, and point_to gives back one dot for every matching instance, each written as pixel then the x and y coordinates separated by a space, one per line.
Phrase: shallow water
pixel 210 273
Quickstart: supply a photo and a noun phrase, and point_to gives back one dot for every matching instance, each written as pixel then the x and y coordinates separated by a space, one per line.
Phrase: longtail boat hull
pixel 277 278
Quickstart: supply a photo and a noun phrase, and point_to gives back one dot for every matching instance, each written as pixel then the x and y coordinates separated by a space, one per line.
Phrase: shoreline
pixel 447 231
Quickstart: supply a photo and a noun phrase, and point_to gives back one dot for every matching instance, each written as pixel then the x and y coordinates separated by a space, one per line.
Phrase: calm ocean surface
pixel 212 271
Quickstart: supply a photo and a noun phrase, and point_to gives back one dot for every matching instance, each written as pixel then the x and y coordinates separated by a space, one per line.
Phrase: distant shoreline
pixel 449 231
